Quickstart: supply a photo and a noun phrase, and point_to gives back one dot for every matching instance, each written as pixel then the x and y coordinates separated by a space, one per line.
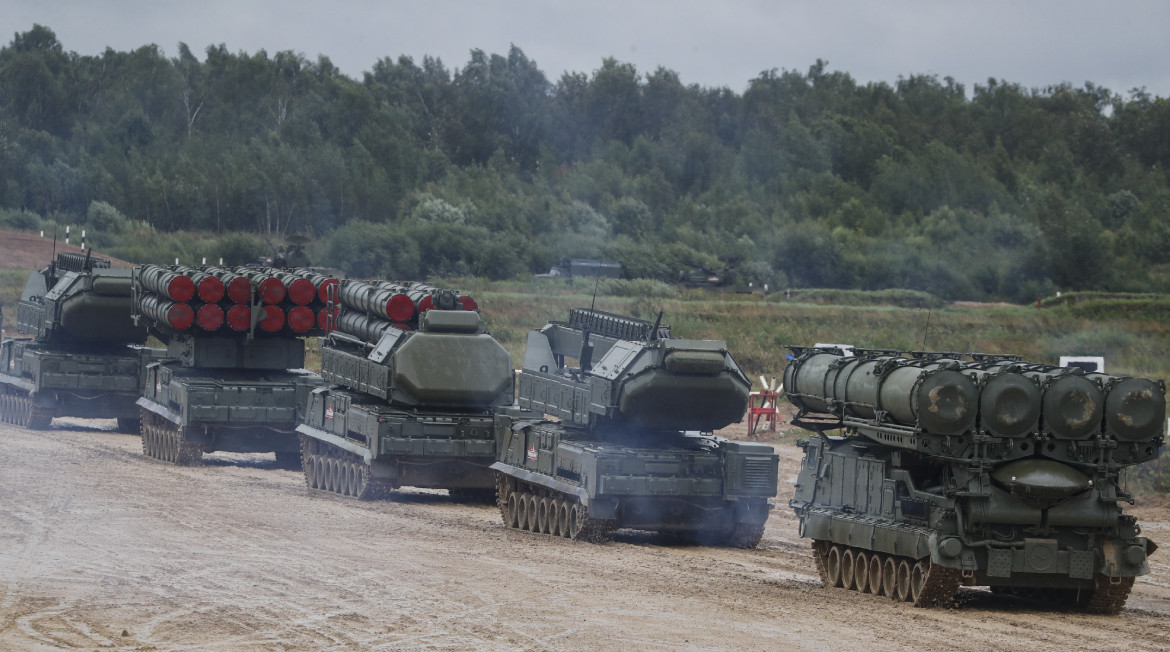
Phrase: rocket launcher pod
pixel 321 282
pixel 364 327
pixel 270 288
pixel 381 302
pixel 301 319
pixel 237 288
pixel 272 319
pixel 166 283
pixel 1135 408
pixel 176 315
pixel 1071 406
pixel 301 290
pixel 207 287
pixel 929 396
pixel 1009 402
pixel 209 317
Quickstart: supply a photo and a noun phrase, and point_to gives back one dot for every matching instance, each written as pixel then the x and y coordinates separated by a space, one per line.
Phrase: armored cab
pixel 413 382
pixel 233 377
pixel 627 442
pixel 82 355
pixel 935 470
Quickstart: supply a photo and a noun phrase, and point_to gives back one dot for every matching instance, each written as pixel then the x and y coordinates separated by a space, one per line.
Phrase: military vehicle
pixel 414 379
pixel 725 279
pixel 587 268
pixel 978 470
pixel 233 377
pixel 631 443
pixel 83 355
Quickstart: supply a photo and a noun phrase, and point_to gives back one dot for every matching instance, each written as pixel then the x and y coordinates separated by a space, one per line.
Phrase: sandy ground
pixel 101 547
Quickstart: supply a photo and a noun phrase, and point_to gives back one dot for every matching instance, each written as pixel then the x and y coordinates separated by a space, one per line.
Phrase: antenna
pixel 586 357
pixel 930 305
pixel 653 334
pixel 596 282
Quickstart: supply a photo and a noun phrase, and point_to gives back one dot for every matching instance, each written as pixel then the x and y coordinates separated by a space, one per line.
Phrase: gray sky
pixel 1120 44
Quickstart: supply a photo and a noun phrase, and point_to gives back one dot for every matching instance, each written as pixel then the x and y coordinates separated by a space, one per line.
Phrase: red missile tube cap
pixel 209 316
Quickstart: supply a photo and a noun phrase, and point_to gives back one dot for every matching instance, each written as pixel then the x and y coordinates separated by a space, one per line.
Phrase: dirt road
pixel 101 547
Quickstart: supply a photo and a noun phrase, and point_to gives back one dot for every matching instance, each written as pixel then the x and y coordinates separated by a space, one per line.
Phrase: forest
pixel 419 170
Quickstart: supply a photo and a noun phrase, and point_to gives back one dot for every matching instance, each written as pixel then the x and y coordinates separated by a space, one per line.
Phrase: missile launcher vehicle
pixel 82 356
pixel 233 377
pixel 935 470
pixel 413 382
pixel 630 441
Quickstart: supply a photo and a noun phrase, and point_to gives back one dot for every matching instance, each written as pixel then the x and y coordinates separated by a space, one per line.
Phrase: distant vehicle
pixel 724 279
pixel 583 267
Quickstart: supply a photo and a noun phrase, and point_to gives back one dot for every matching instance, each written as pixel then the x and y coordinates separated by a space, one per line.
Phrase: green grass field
pixel 1133 338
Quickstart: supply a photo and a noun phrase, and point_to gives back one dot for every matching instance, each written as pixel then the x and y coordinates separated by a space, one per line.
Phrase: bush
pixel 640 288
pixel 105 218
pixel 238 249
pixel 20 219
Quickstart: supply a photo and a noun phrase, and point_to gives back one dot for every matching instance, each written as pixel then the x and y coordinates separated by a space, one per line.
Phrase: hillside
pixel 27 251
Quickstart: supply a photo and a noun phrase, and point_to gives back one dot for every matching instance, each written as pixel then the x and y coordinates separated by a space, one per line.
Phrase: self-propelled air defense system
pixel 978 470
pixel 630 444
pixel 233 378
pixel 82 355
pixel 413 382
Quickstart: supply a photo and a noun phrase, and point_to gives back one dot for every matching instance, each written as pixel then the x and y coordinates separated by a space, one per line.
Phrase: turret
pixel 415 345
pixel 631 374
pixel 78 300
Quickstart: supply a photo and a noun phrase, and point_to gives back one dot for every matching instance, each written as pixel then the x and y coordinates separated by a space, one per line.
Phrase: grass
pixel 758 331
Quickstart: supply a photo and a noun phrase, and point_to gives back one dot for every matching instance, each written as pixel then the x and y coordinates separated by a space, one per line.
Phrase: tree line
pixel 806 179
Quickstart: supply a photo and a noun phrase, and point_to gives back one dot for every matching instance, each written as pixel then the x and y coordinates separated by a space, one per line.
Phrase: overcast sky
pixel 1120 44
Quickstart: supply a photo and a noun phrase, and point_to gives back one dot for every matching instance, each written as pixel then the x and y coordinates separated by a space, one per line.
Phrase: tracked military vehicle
pixel 935 470
pixel 83 355
pixel 233 377
pixel 413 381
pixel 629 442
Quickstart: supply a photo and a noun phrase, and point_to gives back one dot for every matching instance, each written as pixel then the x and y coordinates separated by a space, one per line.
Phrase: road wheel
pixel 542 516
pixel 875 573
pixel 554 517
pixel 902 586
pixel 530 508
pixel 861 571
pixel 522 511
pixel 847 569
pixel 512 515
pixel 576 515
pixel 833 566
pixel 890 577
pixel 917 579
pixel 564 517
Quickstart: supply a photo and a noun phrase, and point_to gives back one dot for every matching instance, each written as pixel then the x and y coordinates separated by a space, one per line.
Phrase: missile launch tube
pixel 167 283
pixel 932 396
pixel 1135 408
pixel 173 314
pixel 365 327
